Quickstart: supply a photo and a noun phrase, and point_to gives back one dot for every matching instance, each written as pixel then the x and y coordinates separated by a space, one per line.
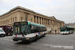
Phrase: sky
pixel 63 10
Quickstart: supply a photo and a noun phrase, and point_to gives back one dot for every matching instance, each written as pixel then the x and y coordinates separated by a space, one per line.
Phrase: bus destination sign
pixel 16 23
pixel 23 23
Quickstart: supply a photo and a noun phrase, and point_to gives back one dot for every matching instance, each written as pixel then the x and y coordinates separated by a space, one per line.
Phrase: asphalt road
pixel 49 42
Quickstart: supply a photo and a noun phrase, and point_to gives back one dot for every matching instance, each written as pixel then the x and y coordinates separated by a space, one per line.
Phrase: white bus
pixel 27 31
pixel 66 30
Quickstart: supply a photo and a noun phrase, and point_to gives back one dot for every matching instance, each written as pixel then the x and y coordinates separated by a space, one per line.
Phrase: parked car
pixel 2 33
pixel 8 30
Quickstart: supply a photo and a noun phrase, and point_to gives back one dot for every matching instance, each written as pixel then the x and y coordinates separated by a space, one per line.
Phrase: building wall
pixel 20 14
pixel 71 25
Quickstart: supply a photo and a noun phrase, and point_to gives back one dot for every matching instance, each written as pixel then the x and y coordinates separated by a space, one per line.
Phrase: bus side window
pixel 30 26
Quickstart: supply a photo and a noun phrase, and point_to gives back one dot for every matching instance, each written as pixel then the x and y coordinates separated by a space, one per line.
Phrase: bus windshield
pixel 22 29
pixel 16 29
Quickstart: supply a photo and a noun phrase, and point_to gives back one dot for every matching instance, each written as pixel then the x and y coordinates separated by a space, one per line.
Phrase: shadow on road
pixel 25 42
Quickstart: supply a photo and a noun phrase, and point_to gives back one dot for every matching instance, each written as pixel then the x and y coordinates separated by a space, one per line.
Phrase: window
pixel 17 29
pixel 35 29
pixel 26 17
pixel 25 29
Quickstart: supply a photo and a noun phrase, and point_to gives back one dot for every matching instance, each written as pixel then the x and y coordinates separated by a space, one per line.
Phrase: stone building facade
pixel 70 24
pixel 19 14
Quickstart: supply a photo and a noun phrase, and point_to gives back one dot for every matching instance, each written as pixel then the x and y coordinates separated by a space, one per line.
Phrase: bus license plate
pixel 19 40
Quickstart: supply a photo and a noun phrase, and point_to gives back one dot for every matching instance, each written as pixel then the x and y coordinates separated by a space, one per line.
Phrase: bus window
pixel 18 29
pixel 35 28
pixel 22 29
pixel 15 29
pixel 25 29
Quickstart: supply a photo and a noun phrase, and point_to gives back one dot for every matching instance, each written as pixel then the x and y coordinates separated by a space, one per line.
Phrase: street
pixel 49 42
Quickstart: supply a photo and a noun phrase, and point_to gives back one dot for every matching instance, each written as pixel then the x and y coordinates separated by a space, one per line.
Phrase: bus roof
pixel 31 23
pixel 67 27
pixel 35 24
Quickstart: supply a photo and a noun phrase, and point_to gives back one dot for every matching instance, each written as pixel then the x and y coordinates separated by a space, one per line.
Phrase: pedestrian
pixel 50 31
pixel 55 31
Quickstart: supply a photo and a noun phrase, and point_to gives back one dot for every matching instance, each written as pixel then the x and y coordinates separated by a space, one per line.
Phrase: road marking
pixel 59 46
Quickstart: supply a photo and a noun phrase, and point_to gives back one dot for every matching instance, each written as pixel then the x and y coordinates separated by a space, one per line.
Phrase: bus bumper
pixel 22 39
pixel 18 39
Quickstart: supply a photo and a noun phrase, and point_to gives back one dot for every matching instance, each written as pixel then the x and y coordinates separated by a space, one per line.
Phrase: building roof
pixel 19 7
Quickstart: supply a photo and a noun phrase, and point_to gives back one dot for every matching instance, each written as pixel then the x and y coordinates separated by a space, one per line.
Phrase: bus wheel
pixel 3 35
pixel 36 37
pixel 44 34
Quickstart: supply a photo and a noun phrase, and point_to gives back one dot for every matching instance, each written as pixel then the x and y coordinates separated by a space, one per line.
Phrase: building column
pixel 39 20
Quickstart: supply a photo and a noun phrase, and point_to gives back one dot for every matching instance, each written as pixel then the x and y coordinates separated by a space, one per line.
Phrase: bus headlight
pixel 13 37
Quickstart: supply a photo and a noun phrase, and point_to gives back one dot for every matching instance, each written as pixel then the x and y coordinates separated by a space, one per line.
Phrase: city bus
pixel 27 31
pixel 66 30
pixel 7 29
